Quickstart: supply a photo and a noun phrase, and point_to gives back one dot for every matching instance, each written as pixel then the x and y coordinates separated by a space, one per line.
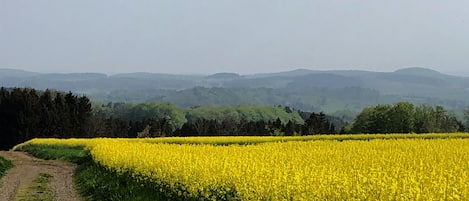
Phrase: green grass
pixel 4 166
pixel 95 182
pixel 76 154
pixel 39 190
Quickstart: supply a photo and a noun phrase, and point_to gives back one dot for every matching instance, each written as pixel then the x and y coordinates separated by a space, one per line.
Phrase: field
pixel 347 167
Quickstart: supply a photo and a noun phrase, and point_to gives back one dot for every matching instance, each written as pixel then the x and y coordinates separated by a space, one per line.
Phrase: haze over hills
pixel 330 91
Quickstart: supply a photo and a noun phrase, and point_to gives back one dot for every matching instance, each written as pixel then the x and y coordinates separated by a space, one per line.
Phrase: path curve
pixel 27 168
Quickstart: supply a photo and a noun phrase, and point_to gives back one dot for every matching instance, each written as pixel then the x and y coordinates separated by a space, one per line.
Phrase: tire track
pixel 27 168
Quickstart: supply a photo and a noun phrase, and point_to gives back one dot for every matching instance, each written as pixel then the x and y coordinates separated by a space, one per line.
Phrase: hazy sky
pixel 244 36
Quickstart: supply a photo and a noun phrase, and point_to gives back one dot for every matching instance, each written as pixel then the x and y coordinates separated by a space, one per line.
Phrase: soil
pixel 27 168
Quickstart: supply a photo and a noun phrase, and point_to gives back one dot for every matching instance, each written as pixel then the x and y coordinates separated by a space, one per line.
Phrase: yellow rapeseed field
pixel 226 140
pixel 393 169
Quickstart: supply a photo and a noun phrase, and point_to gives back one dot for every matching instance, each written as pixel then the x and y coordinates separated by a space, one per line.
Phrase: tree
pixel 466 117
pixel 27 114
pixel 363 121
pixel 425 121
pixel 318 124
pixel 201 126
pixel 145 132
pixel 9 125
pixel 83 115
pixel 402 118
pixel 289 128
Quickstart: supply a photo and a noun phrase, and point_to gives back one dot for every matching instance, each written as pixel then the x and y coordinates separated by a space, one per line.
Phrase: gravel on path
pixel 27 168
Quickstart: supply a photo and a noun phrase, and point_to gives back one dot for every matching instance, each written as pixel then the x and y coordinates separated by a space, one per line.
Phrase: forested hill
pixel 309 90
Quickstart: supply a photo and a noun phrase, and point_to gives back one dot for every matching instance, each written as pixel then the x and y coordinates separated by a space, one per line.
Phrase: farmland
pixel 323 167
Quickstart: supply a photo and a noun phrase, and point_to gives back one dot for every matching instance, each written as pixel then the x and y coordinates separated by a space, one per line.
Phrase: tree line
pixel 166 119
pixel 404 117
pixel 26 114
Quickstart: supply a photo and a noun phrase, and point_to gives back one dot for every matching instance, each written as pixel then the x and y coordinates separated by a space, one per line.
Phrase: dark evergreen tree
pixel 27 114
pixel 289 128
pixel 318 124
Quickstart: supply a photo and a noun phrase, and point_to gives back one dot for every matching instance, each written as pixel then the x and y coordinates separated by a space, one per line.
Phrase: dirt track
pixel 27 168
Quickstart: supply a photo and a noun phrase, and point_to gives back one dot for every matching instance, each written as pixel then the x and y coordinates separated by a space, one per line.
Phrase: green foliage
pixel 164 119
pixel 466 117
pixel 98 183
pixel 177 116
pixel 246 113
pixel 318 124
pixel 27 114
pixel 403 117
pixel 57 152
pixel 4 166
pixel 137 112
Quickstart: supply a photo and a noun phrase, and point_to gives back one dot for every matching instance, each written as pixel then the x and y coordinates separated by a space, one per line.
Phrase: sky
pixel 242 36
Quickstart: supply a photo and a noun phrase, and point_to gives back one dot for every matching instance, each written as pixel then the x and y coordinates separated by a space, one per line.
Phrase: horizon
pixel 456 73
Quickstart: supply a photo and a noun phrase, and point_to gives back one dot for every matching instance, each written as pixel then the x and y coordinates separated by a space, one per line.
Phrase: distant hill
pixel 419 71
pixel 224 76
pixel 331 91
pixel 14 73
pixel 70 77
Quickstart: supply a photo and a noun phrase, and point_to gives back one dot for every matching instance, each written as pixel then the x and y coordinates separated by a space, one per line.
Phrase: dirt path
pixel 27 168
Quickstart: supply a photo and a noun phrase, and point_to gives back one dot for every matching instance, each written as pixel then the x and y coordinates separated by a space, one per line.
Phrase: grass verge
pixel 4 166
pixel 98 183
pixel 74 154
